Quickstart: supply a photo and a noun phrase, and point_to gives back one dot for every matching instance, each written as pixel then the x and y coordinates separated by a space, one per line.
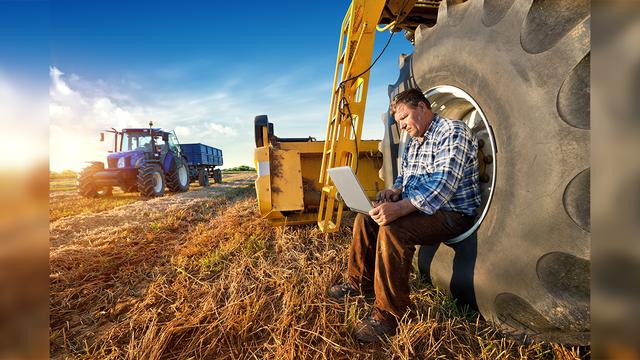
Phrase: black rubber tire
pixel 260 122
pixel 148 175
pixel 130 188
pixel 526 63
pixel 107 191
pixel 173 178
pixel 86 185
pixel 203 178
pixel 217 176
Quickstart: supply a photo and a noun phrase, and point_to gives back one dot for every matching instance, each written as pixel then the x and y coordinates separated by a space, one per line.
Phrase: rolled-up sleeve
pixel 429 191
pixel 398 183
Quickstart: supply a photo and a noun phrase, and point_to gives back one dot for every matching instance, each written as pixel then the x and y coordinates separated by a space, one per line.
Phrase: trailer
pixel 146 160
pixel 202 161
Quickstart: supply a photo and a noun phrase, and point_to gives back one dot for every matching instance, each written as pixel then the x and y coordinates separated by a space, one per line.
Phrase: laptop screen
pixel 350 189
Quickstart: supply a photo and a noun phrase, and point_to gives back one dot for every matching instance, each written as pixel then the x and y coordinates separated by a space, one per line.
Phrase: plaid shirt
pixel 440 170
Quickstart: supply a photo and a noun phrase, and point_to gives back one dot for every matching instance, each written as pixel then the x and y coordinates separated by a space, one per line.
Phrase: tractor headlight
pixel 121 162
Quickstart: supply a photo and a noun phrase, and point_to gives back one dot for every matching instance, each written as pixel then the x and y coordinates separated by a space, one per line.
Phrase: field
pixel 200 275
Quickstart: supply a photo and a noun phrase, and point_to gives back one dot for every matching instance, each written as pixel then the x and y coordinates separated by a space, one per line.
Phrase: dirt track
pixel 104 225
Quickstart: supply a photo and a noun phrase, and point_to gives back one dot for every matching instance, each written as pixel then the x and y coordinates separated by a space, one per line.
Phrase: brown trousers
pixel 381 257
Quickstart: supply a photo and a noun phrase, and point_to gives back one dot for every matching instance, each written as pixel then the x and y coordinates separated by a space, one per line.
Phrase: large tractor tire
pixel 203 178
pixel 130 188
pixel 217 176
pixel 518 73
pixel 86 183
pixel 178 178
pixel 150 181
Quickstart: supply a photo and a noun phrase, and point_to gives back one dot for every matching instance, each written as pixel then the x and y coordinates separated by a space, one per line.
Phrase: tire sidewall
pixel 145 180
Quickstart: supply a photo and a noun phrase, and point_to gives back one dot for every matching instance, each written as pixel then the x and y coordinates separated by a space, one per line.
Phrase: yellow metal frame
pixel 292 184
pixel 287 165
pixel 346 115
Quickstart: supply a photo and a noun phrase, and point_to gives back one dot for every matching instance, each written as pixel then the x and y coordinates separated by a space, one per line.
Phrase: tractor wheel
pixel 130 188
pixel 203 177
pixel 217 176
pixel 518 73
pixel 178 179
pixel 150 181
pixel 86 184
pixel 107 191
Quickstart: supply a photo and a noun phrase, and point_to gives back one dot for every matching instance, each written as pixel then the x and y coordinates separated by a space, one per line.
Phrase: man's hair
pixel 409 97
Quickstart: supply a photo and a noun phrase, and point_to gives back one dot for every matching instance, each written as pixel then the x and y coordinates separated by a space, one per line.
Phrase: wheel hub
pixel 157 181
pixel 182 175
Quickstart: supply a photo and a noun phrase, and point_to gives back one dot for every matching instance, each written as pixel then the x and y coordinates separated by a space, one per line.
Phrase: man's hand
pixel 387 212
pixel 389 195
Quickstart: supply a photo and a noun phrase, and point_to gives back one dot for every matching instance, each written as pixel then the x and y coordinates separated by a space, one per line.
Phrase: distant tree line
pixel 240 168
pixel 62 174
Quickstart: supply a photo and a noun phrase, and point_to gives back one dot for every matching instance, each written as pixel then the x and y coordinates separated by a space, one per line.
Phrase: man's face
pixel 415 121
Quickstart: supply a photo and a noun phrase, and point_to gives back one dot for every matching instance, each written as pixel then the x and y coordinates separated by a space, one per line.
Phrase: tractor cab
pixel 132 146
pixel 141 140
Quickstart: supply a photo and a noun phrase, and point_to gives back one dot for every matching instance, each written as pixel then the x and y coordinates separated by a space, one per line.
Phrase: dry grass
pixel 64 200
pixel 72 205
pixel 212 280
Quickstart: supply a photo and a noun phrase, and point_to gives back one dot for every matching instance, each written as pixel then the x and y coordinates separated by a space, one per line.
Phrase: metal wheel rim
pixel 182 175
pixel 157 182
pixel 455 103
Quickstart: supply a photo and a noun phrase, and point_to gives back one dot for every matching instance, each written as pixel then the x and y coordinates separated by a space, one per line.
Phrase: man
pixel 433 200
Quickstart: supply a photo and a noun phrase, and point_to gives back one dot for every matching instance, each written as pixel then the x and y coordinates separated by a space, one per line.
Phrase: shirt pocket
pixel 427 162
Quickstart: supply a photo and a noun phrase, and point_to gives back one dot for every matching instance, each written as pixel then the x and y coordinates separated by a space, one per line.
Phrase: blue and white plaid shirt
pixel 440 170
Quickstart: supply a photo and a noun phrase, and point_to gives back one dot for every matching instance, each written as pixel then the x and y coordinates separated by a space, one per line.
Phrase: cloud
pixel 58 86
pixel 77 117
pixel 182 131
pixel 218 114
pixel 79 110
pixel 221 129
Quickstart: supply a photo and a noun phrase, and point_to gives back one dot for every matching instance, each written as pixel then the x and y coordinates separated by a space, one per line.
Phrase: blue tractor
pixel 145 160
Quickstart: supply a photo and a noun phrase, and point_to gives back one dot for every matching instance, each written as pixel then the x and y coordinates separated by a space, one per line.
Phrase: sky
pixel 202 68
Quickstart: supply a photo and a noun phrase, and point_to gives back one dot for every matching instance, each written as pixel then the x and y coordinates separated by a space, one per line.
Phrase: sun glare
pixel 23 110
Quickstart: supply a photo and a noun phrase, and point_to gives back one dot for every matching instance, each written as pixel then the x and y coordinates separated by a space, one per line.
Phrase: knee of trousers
pixel 363 222
pixel 360 220
pixel 392 234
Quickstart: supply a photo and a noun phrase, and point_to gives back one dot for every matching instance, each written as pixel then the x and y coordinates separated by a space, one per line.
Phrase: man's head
pixel 412 112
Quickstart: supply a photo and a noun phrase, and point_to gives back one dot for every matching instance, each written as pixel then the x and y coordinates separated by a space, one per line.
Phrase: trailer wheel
pixel 203 177
pixel 178 179
pixel 150 181
pixel 86 184
pixel 217 176
pixel 519 71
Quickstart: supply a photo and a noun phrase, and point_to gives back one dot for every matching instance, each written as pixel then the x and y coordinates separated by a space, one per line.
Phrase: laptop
pixel 350 189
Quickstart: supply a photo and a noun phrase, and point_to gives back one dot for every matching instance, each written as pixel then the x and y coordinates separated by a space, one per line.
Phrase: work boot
pixel 373 328
pixel 341 291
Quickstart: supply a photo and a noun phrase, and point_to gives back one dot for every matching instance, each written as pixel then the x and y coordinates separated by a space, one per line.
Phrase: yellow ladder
pixel 346 115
